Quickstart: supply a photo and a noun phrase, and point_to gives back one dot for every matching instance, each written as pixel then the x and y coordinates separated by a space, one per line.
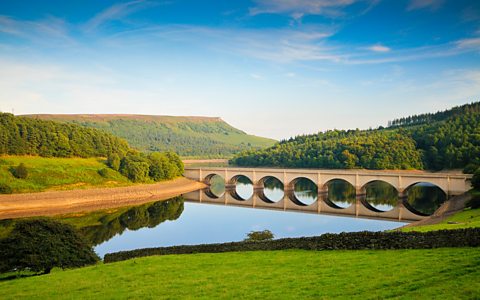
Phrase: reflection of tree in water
pixel 273 183
pixel 306 188
pixel 381 193
pixel 341 192
pixel 425 198
pixel 243 180
pixel 217 185
pixel 133 218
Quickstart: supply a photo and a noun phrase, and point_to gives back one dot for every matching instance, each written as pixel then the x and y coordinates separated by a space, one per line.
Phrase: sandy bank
pixel 60 202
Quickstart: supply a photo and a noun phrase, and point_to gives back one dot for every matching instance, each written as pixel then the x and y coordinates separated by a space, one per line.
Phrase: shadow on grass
pixel 10 276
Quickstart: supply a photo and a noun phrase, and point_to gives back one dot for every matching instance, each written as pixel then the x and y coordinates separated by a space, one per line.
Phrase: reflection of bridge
pixel 451 184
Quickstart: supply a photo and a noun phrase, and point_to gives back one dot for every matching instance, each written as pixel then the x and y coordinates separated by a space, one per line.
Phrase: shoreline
pixel 70 201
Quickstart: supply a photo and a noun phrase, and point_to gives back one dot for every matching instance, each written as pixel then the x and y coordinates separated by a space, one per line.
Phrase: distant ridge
pixel 109 117
pixel 189 136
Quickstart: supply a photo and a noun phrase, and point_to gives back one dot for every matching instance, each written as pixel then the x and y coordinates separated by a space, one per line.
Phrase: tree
pixel 113 161
pixel 20 171
pixel 135 167
pixel 476 179
pixel 265 235
pixel 39 245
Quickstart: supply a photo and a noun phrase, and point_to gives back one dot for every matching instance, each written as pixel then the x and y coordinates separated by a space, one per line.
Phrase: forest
pixel 27 136
pixel 204 137
pixel 444 140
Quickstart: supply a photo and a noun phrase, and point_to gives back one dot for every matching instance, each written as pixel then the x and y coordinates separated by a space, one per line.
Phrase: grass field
pixel 405 274
pixel 58 174
pixel 465 219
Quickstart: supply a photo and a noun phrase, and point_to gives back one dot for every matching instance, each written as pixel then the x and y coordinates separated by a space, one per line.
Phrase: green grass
pixel 465 219
pixel 58 174
pixel 402 274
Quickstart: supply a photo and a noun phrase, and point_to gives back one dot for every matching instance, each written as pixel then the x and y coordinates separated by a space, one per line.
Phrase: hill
pixel 444 140
pixel 27 136
pixel 188 136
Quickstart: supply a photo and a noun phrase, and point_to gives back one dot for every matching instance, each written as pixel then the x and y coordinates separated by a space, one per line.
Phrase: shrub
pixel 470 168
pixel 113 161
pixel 264 235
pixel 5 189
pixel 474 202
pixel 476 179
pixel 135 167
pixel 103 172
pixel 19 171
pixel 39 245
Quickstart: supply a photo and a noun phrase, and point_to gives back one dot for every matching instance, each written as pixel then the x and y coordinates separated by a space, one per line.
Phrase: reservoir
pixel 185 220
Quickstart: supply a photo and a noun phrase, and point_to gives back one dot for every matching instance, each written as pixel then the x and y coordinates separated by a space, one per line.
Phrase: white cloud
pixel 469 43
pixel 256 76
pixel 53 31
pixel 424 4
pixel 115 12
pixel 299 8
pixel 379 48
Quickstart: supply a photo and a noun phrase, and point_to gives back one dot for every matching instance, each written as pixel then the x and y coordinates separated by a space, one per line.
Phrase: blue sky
pixel 272 68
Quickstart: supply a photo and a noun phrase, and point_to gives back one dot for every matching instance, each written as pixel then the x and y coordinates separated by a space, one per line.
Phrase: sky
pixel 271 68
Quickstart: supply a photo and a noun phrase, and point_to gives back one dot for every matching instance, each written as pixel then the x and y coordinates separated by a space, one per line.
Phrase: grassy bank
pixel 468 218
pixel 447 273
pixel 58 174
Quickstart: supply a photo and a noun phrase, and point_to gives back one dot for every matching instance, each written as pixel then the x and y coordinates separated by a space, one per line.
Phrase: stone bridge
pixel 451 184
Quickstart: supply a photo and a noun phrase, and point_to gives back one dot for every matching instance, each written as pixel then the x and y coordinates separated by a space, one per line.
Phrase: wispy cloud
pixel 48 31
pixel 469 43
pixel 424 4
pixel 116 12
pixel 379 48
pixel 299 8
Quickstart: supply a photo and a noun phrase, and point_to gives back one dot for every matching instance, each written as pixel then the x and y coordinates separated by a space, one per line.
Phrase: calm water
pixel 176 222
pixel 200 223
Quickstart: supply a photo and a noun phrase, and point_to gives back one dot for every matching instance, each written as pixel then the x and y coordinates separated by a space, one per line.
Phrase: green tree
pixel 42 244
pixel 113 161
pixel 476 179
pixel 135 167
pixel 20 171
pixel 265 235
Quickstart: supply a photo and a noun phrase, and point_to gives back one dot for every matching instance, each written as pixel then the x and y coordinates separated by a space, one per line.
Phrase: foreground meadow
pixel 433 273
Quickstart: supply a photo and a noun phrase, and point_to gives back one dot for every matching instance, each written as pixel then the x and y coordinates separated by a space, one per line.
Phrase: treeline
pixel 212 139
pixel 26 136
pixel 453 143
pixel 339 149
pixel 435 117
pixel 148 215
pixel 449 139
pixel 141 167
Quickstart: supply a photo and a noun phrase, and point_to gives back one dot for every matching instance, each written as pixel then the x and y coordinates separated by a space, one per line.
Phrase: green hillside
pixel 188 136
pixel 20 136
pixel 443 140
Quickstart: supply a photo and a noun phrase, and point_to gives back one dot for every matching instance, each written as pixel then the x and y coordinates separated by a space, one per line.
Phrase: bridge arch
pixel 209 177
pixel 262 192
pixel 380 195
pixel 419 181
pixel 297 198
pixel 240 187
pixel 212 191
pixel 340 193
pixel 424 200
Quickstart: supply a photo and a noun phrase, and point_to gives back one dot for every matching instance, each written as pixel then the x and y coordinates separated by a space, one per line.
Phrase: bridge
pixel 451 184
